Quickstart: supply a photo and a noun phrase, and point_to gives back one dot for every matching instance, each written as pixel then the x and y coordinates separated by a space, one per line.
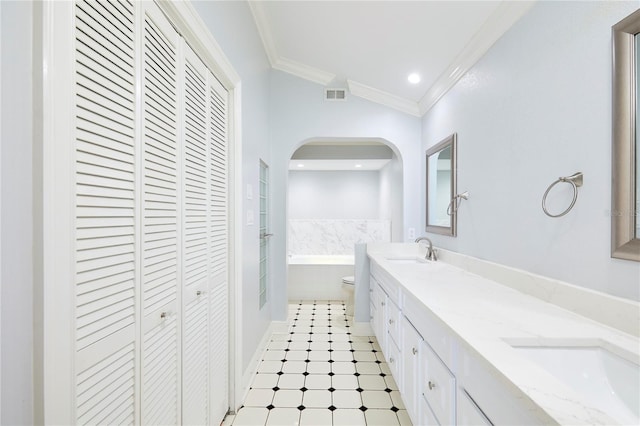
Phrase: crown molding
pixel 304 71
pixel 376 95
pixel 264 29
pixel 507 14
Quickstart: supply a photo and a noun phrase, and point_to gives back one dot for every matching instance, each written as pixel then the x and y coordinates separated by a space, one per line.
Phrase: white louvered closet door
pixel 196 244
pixel 105 231
pixel 160 248
pixel 151 223
pixel 219 250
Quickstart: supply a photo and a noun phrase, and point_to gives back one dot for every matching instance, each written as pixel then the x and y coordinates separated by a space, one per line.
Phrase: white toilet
pixel 348 284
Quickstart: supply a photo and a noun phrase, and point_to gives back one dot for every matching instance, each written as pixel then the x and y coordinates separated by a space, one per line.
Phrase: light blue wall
pixel 339 194
pixel 536 107
pixel 17 214
pixel 299 113
pixel 231 24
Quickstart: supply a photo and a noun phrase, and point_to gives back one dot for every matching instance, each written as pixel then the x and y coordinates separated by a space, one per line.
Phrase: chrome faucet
pixel 431 252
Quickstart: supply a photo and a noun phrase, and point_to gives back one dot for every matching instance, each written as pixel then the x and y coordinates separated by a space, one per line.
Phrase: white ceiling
pixel 370 47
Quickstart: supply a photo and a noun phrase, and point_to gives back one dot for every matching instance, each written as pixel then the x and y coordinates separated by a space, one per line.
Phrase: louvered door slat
pixel 196 363
pixel 105 200
pixel 160 221
pixel 218 249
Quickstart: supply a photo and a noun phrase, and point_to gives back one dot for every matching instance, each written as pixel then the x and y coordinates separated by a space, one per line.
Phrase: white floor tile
pixel 348 417
pixel 277 345
pixel 364 356
pixel 319 346
pixel 372 382
pixel 344 381
pixel 318 381
pixel 284 417
pixel 264 381
pixel 317 399
pixel 315 417
pixel 344 356
pixel 385 368
pixel 319 356
pixel 381 418
pixel 251 416
pixel 279 337
pixel 295 367
pixel 296 355
pixel 368 368
pixel 403 417
pixel 291 381
pixel 346 399
pixel 258 398
pixel 299 337
pixel 287 398
pixel 397 400
pixel 269 366
pixel 321 337
pixel 299 345
pixel 360 339
pixel 391 384
pixel 362 346
pixel 318 367
pixel 376 399
pixel 340 337
pixel 341 346
pixel 340 367
pixel 274 355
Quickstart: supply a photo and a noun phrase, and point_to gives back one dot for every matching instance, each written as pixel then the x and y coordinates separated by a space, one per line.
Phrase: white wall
pixel 299 113
pixel 536 107
pixel 16 224
pixel 391 196
pixel 232 25
pixel 334 194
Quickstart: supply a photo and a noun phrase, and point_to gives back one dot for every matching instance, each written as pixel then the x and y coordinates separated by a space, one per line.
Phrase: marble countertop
pixel 486 316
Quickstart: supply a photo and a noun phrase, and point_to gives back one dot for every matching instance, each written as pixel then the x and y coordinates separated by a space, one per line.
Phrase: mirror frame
pixel 450 140
pixel 624 244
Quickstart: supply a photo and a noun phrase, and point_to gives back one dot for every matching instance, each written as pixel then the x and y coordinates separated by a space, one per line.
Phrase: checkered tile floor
pixel 320 374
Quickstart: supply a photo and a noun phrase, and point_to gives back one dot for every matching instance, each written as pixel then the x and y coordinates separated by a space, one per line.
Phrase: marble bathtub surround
pixel 334 236
pixel 616 312
pixel 485 315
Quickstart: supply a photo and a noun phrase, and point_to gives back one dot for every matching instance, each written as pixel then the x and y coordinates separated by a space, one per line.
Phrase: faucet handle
pixel 434 254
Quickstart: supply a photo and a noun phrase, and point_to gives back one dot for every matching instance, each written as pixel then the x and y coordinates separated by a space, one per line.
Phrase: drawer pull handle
pixel 414 350
pixel 199 293
pixel 431 385
pixel 163 315
pixel 381 303
pixel 391 360
pixel 390 321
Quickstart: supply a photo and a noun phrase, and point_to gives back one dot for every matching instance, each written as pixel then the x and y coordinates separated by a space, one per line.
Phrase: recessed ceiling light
pixel 300 165
pixel 358 166
pixel 414 78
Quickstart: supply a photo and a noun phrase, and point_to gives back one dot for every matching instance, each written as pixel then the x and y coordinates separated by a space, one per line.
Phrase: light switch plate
pixel 249 217
pixel 412 233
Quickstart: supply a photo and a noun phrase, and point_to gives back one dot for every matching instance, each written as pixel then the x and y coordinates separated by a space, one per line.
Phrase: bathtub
pixel 318 277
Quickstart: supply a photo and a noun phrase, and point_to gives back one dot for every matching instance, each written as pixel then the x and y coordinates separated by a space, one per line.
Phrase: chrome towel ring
pixel 575 180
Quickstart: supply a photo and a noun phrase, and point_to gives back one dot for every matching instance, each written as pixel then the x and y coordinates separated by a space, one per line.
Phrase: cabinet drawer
pixel 389 285
pixel 426 415
pixel 394 317
pixel 394 362
pixel 438 387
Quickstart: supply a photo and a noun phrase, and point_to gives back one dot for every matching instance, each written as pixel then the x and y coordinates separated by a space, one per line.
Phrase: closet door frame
pixel 54 312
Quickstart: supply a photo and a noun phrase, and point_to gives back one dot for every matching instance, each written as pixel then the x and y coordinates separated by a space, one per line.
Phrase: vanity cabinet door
pixel 438 387
pixel 379 314
pixel 469 414
pixel 411 385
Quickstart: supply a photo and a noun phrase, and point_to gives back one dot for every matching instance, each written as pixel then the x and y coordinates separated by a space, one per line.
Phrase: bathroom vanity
pixel 467 350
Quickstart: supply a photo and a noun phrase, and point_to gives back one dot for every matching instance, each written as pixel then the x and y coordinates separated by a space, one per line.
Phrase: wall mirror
pixel 441 187
pixel 625 227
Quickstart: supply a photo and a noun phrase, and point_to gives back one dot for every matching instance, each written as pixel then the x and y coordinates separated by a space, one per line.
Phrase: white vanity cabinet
pixel 411 389
pixel 439 386
pixel 469 414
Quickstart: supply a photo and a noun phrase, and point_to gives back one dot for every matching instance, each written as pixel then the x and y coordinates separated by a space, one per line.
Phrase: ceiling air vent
pixel 335 95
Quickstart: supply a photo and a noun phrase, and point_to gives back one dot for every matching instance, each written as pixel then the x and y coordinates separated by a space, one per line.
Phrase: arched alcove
pixel 340 191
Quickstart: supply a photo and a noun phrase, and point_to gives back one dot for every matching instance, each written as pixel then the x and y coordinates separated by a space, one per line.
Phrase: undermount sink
pixel 609 382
